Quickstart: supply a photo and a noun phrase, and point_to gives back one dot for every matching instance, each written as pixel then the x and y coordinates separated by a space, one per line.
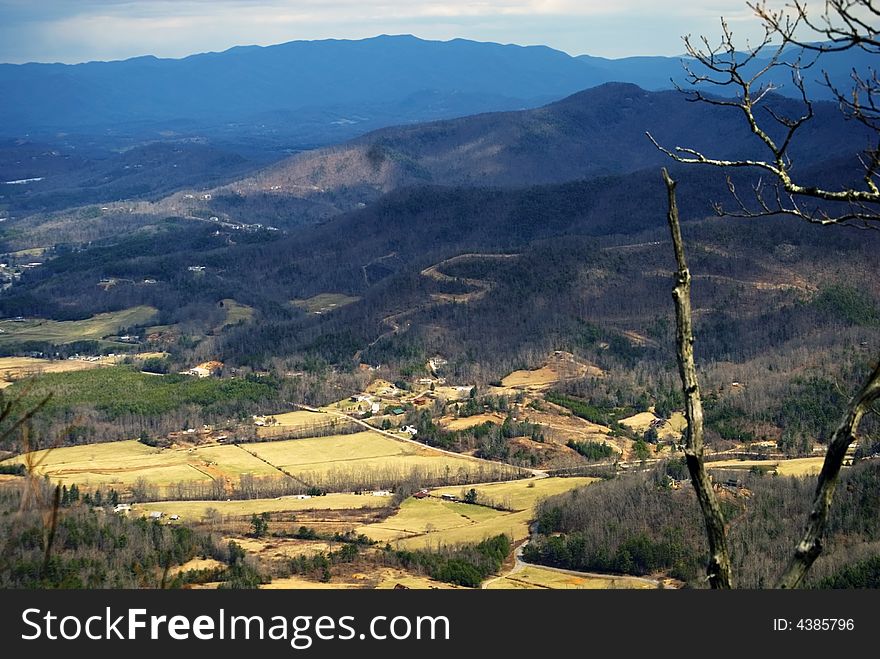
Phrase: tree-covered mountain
pixel 595 132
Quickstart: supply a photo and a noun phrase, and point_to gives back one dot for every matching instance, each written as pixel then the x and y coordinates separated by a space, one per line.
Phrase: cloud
pixel 111 29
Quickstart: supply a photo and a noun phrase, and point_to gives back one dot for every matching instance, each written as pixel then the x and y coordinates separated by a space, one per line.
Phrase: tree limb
pixel 810 545
pixel 718 569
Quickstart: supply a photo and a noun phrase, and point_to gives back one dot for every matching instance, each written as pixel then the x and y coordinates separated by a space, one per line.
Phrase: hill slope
pixel 597 132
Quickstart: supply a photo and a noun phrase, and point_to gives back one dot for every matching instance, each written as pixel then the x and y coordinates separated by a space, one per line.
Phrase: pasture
pixel 432 522
pixel 299 422
pixel 519 495
pixel 199 510
pixel 533 577
pixel 465 422
pixel 235 312
pixel 121 464
pixel 317 460
pixel 60 332
pixel 16 368
pixel 800 467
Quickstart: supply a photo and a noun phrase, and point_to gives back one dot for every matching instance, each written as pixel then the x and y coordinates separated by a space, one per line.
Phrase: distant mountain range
pixel 315 92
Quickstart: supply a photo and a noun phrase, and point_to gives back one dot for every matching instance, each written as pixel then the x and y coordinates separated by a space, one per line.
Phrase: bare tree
pixel 742 78
pixel 793 40
pixel 718 570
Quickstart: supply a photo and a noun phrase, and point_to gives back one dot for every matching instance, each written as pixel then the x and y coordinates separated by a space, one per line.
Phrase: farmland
pixel 520 495
pixel 334 462
pixel 532 577
pixel 60 332
pixel 433 521
pixel 198 510
pixel 793 467
pixel 16 368
pixel 368 456
pixel 121 464
pixel 290 423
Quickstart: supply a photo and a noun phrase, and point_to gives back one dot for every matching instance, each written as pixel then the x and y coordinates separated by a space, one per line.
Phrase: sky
pixel 82 30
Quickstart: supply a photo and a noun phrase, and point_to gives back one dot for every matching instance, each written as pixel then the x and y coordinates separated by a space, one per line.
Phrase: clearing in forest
pixel 68 331
pixel 560 367
pixel 325 302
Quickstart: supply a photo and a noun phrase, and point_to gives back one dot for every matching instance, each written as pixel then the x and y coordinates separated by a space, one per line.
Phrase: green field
pixel 119 390
pixel 515 525
pixel 519 495
pixel 61 332
pixel 236 312
pixel 433 522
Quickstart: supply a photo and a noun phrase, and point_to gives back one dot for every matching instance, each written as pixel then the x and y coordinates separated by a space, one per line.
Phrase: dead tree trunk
pixel 718 568
pixel 810 546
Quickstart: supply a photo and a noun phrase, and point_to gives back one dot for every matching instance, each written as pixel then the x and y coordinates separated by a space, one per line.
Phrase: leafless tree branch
pixel 718 570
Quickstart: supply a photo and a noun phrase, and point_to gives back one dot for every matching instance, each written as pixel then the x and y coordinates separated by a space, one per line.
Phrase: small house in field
pixel 174 518
pixel 122 508
pixel 421 494
pixel 448 497
pixel 156 515
pixel 409 429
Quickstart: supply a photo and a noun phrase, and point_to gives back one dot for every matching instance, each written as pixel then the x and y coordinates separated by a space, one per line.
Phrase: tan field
pixel 381 579
pixel 794 467
pixel 198 510
pixel 515 525
pixel 121 464
pixel 419 516
pixel 463 423
pixel 16 368
pixel 280 549
pixel 431 522
pixel 561 366
pixel 522 494
pixel 531 578
pixel 568 426
pixel 389 578
pixel 59 332
pixel 319 457
pixel 667 429
pixel 196 564
pixel 297 421
pixel 301 583
pixel 325 302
